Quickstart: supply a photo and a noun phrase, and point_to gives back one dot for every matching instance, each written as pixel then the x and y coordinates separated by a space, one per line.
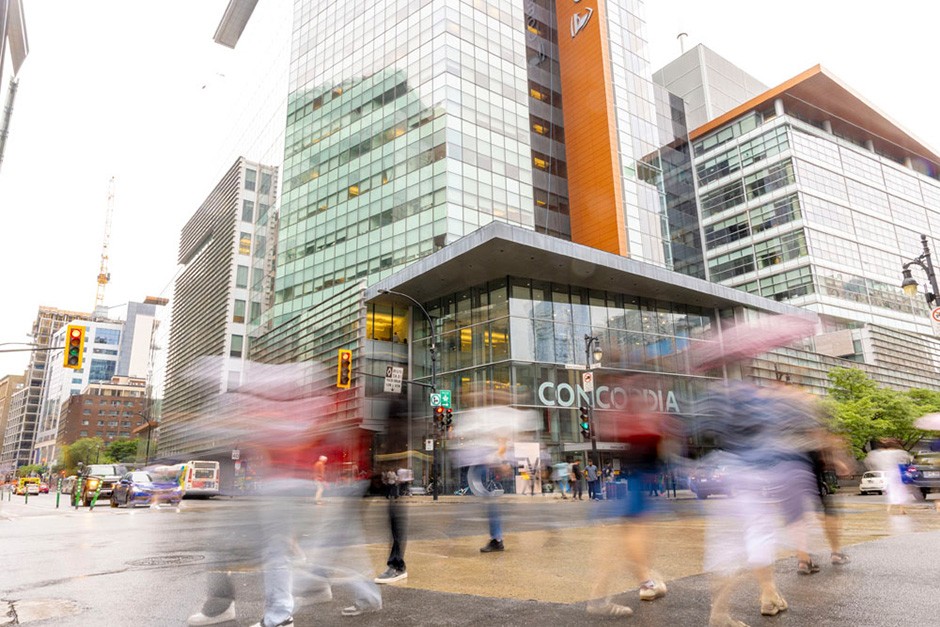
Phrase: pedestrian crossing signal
pixel 74 346
pixel 344 368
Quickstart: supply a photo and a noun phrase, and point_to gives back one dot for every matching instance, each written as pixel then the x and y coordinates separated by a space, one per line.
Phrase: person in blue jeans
pixel 594 492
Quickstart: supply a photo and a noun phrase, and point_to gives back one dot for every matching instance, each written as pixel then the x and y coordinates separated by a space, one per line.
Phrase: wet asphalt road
pixel 146 567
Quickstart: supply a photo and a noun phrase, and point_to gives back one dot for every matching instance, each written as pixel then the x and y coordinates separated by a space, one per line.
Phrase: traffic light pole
pixel 435 463
pixel 589 341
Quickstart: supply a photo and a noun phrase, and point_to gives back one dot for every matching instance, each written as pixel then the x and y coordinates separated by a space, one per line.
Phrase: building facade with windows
pixel 110 411
pixel 809 194
pixel 412 124
pixel 221 295
pixel 9 385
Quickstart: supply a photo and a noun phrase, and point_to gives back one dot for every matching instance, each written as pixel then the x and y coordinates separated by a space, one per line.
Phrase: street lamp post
pixel 433 350
pixel 909 284
pixel 592 342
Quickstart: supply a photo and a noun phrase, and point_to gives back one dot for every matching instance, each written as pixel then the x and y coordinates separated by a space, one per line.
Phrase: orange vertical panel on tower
pixel 594 185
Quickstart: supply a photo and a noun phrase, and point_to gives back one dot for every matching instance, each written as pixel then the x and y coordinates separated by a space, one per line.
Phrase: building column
pixel 870 145
pixel 827 126
pixel 778 107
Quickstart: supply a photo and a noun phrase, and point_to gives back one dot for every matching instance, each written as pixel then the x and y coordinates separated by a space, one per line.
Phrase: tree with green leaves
pixel 31 470
pixel 865 412
pixel 120 451
pixel 86 450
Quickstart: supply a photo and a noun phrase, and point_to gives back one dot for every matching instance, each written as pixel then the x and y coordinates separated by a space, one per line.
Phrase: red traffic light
pixel 75 340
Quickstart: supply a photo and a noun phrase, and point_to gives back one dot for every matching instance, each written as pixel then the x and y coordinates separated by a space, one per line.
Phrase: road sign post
pixel 393 379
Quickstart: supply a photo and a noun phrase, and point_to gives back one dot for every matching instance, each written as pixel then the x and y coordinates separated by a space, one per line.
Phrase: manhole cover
pixel 166 560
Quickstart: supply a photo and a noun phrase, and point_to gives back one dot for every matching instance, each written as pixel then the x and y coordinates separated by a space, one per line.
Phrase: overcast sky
pixel 139 91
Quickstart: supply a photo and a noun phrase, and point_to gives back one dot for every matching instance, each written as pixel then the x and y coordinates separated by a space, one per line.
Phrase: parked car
pixel 708 480
pixel 141 487
pixel 44 488
pixel 924 473
pixel 68 484
pixel 100 478
pixel 28 485
pixel 873 482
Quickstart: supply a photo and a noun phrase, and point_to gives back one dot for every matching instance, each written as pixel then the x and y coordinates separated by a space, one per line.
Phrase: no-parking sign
pixel 935 320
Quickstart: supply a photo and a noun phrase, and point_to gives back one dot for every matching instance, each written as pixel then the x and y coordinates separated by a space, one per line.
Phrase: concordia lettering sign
pixel 605 397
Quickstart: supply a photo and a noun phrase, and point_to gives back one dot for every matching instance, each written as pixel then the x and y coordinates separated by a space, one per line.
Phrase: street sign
pixel 587 381
pixel 393 379
pixel 574 366
pixel 935 320
pixel 435 400
pixel 236 454
pixel 445 398
pixel 429 444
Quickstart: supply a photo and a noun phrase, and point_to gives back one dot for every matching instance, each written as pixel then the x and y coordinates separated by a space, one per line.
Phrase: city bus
pixel 196 478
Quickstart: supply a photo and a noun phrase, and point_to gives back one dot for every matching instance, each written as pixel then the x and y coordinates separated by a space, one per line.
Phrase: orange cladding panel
pixel 594 185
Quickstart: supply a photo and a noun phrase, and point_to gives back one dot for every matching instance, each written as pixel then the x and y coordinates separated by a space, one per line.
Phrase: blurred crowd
pixel 771 442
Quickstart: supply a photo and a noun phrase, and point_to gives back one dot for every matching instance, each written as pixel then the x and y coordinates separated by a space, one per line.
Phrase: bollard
pixel 26 494
pixel 58 492
pixel 77 491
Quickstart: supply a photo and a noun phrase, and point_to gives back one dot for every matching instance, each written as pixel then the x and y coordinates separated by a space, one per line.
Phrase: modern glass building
pixel 520 324
pixel 412 124
pixel 809 194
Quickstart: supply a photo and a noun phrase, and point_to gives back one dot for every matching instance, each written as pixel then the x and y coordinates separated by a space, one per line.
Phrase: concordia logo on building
pixel 580 20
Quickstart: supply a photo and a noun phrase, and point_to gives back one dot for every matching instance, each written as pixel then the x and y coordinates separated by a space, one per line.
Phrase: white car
pixel 872 481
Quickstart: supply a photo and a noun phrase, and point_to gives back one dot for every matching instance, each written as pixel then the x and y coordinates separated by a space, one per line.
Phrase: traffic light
pixel 439 418
pixel 584 421
pixel 344 368
pixel 74 346
pixel 448 417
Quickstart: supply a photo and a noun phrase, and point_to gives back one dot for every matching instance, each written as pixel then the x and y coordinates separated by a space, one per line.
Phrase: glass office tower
pixel 810 195
pixel 413 123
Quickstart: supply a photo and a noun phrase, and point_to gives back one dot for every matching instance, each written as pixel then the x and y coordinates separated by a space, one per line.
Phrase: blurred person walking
pixel 269 415
pixel 888 458
pixel 397 442
pixel 319 478
pixel 486 430
pixel 576 475
pixel 561 472
pixel 765 435
pixel 649 438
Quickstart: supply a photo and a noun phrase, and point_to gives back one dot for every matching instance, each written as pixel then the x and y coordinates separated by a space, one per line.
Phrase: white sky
pixel 139 91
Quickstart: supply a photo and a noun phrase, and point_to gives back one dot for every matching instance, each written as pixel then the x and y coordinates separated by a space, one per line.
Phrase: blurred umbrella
pixel 745 341
pixel 930 422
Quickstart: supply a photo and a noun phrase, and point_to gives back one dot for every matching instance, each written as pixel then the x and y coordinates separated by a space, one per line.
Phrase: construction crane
pixel 103 275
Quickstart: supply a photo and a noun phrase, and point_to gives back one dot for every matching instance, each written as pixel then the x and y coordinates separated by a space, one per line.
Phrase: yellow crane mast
pixel 103 275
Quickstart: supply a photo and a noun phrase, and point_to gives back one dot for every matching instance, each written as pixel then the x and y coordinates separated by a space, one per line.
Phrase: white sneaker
pixel 287 621
pixel 196 620
pixel 651 590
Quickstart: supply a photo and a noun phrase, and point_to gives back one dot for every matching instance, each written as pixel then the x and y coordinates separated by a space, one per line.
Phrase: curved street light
pixel 909 284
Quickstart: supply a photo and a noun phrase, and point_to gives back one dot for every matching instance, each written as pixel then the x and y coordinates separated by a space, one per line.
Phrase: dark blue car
pixel 142 487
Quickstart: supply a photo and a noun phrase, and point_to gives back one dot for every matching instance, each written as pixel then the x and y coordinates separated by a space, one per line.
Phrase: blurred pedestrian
pixel 593 482
pixel 486 430
pixel 888 458
pixel 576 475
pixel 831 456
pixel 765 435
pixel 270 417
pixel 319 478
pixel 560 475
pixel 649 437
